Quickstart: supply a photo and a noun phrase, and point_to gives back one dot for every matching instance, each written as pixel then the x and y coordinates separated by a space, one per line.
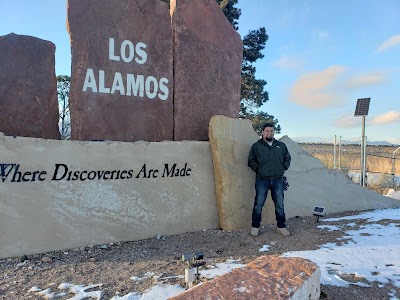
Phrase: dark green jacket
pixel 267 161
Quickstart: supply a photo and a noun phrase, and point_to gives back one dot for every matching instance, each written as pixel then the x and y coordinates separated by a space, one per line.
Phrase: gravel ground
pixel 113 265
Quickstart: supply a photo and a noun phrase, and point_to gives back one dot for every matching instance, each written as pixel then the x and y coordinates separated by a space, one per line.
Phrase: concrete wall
pixel 62 194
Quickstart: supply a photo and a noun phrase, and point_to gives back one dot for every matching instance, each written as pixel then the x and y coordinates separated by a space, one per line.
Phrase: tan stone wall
pixel 40 210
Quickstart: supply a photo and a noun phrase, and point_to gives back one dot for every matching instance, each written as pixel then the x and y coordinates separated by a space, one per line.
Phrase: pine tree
pixel 230 11
pixel 63 87
pixel 252 91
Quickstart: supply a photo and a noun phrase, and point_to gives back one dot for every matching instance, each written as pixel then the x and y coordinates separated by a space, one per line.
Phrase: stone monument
pixel 136 76
pixel 28 87
pixel 121 79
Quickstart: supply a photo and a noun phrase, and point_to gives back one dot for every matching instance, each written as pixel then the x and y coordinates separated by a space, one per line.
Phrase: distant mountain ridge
pixel 345 142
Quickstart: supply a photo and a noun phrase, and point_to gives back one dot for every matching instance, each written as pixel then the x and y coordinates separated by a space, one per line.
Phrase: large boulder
pixel 230 142
pixel 267 277
pixel 207 65
pixel 28 87
pixel 122 79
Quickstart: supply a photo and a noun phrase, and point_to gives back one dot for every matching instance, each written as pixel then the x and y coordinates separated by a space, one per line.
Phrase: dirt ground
pixel 113 265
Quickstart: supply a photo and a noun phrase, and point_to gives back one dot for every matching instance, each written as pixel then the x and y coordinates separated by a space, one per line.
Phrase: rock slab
pixel 122 77
pixel 28 87
pixel 207 67
pixel 267 277
pixel 230 141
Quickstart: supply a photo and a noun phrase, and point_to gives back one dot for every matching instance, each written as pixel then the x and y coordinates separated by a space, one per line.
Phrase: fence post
pixel 334 152
pixel 393 164
pixel 340 152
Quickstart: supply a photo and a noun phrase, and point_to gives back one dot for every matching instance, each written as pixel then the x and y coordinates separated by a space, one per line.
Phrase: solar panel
pixel 362 107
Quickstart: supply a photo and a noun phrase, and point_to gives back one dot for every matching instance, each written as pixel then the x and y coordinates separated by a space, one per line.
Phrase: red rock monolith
pixel 122 78
pixel 207 64
pixel 28 87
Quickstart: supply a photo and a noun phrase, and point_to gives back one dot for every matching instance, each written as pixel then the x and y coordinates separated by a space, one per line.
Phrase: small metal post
pixel 340 152
pixel 362 175
pixel 365 161
pixel 393 164
pixel 334 152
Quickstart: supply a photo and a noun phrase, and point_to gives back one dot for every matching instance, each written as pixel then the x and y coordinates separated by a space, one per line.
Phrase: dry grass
pixel 379 158
pixel 351 162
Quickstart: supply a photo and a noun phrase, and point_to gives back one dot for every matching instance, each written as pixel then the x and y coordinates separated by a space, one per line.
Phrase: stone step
pixel 267 277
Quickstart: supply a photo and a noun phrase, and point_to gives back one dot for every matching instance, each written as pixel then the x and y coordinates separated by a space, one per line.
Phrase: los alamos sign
pixel 127 84
pixel 15 173
pixel 143 72
pixel 122 70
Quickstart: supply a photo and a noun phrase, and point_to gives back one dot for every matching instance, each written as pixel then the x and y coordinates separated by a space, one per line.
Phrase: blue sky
pixel 320 58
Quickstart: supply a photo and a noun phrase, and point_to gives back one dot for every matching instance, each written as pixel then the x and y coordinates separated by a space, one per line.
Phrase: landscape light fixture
pixel 319 212
pixel 362 109
pixel 194 261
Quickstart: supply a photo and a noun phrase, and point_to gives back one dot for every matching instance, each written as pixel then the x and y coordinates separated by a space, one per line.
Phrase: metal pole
pixel 365 161
pixel 334 152
pixel 362 170
pixel 340 152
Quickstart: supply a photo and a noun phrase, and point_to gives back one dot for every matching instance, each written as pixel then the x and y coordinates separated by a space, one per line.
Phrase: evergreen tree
pixel 63 87
pixel 260 118
pixel 252 91
pixel 230 11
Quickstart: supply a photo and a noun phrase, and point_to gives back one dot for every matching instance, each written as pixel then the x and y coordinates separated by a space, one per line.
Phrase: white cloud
pixel 322 35
pixel 288 62
pixel 389 43
pixel 317 89
pixel 348 122
pixel 395 141
pixel 365 80
pixel 288 17
pixel 387 117
pixel 351 121
pixel 297 14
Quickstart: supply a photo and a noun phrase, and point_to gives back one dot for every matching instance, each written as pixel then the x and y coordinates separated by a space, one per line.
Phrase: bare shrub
pixel 379 180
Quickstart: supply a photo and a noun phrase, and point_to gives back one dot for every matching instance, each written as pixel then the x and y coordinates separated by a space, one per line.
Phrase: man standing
pixel 270 159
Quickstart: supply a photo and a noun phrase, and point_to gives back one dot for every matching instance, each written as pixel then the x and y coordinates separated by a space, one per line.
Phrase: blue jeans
pixel 262 187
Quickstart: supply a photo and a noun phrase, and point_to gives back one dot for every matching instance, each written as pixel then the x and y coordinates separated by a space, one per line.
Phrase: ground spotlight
pixel 319 212
pixel 194 260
